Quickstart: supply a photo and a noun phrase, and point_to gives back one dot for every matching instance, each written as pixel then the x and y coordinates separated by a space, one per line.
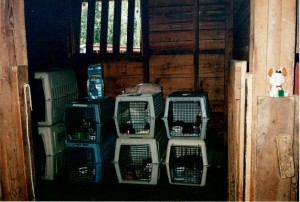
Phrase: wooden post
pixel 196 46
pixel 16 160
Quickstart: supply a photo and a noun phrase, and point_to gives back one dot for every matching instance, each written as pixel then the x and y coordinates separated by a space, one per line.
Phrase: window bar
pixel 90 27
pixel 130 28
pixel 104 26
pixel 117 27
pixel 145 39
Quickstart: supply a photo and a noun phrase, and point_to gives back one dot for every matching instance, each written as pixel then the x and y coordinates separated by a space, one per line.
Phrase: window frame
pixel 116 29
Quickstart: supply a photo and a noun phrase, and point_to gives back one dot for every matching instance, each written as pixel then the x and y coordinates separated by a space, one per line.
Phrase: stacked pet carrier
pixel 142 140
pixel 185 118
pixel 91 137
pixel 53 88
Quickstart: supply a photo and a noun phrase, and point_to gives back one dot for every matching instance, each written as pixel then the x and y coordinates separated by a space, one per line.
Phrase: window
pixel 110 26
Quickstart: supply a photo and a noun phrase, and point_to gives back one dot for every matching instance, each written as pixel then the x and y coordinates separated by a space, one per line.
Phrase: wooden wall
pixel 272 45
pixel 190 51
pixel 190 45
pixel 266 41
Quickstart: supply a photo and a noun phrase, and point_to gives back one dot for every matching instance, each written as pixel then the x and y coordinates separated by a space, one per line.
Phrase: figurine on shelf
pixel 276 80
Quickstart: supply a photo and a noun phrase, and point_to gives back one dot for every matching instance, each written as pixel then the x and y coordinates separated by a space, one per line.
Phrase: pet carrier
pixel 90 121
pixel 86 162
pixel 139 115
pixel 137 160
pixel 54 138
pixel 53 88
pixel 186 115
pixel 186 162
pixel 53 167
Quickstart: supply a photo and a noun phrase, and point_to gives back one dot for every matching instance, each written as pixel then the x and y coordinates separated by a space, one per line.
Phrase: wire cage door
pixel 83 163
pixel 139 115
pixel 137 161
pixel 89 121
pixel 186 162
pixel 186 115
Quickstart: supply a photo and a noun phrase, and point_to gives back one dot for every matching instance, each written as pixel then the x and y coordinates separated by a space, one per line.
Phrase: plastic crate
pixel 82 162
pixel 186 115
pixel 137 161
pixel 139 115
pixel 53 88
pixel 186 162
pixel 53 167
pixel 90 121
pixel 54 138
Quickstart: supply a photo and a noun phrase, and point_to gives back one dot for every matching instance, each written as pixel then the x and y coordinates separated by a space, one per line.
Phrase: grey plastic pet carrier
pixel 186 115
pixel 186 162
pixel 137 160
pixel 89 121
pixel 53 88
pixel 139 115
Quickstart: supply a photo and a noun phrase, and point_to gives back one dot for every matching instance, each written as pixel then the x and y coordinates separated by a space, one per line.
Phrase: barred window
pixel 110 26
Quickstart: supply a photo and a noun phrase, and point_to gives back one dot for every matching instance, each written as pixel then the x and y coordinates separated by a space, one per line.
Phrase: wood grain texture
pixel 15 157
pixel 274 118
pixel 236 129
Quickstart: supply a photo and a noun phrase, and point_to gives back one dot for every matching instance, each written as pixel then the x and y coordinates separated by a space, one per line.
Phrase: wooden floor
pixel 109 189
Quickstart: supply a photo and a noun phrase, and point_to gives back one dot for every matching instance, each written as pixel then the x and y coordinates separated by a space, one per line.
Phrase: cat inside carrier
pixel 186 162
pixel 139 115
pixel 186 115
pixel 137 160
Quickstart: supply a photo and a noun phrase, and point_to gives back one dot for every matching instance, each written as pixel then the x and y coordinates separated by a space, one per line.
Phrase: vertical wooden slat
pixel 257 66
pixel 104 24
pixel 228 54
pixel 273 34
pixel 117 27
pixel 145 39
pixel 288 40
pixel 241 133
pixel 15 171
pixel 295 178
pixel 236 129
pixel 130 26
pixel 248 145
pixel 196 46
pixel 90 27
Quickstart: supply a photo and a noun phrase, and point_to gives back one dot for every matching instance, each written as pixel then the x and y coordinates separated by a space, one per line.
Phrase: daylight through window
pixel 117 26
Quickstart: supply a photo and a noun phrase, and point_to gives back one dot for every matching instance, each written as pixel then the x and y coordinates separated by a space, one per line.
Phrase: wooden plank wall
pixel 16 160
pixel 275 122
pixel 272 44
pixel 172 55
pixel 172 49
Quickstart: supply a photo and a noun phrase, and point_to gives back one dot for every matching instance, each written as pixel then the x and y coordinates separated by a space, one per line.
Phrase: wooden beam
pixel 117 27
pixel 236 129
pixel 130 26
pixel 145 39
pixel 196 46
pixel 90 27
pixel 248 133
pixel 104 25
